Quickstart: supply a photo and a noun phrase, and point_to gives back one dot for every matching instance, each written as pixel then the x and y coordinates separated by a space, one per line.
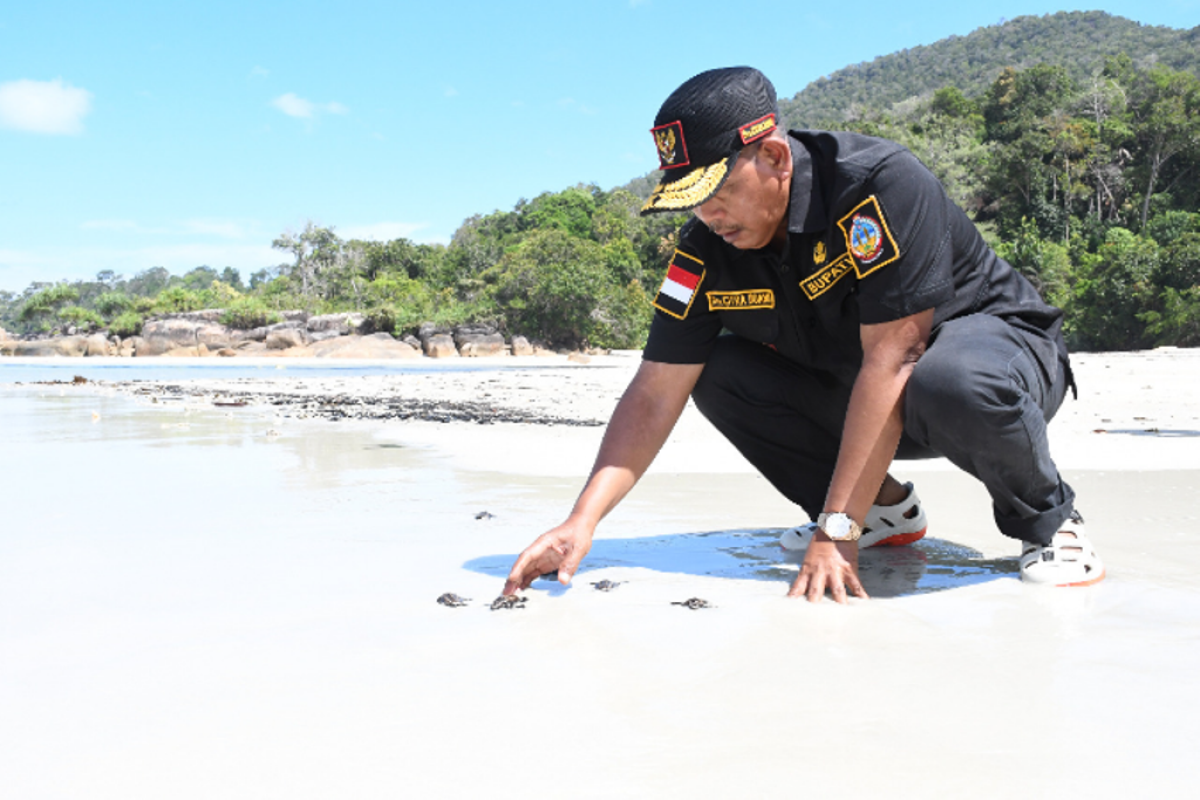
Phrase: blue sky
pixel 135 135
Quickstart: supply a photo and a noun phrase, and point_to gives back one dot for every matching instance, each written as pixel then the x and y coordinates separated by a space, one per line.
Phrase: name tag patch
pixel 679 286
pixel 868 237
pixel 741 301
pixel 820 281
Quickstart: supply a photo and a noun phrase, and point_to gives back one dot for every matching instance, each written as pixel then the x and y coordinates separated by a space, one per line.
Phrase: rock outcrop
pixel 377 345
pixel 439 345
pixel 97 345
pixel 69 346
pixel 160 336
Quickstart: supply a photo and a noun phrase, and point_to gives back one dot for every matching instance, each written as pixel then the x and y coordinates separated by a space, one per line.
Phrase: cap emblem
pixel 672 149
pixel 753 131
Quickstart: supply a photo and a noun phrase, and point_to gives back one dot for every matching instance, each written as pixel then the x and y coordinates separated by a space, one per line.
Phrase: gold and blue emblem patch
pixel 672 149
pixel 868 238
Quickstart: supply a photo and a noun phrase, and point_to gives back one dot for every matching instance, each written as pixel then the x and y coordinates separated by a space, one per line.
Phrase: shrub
pixel 111 304
pixel 80 317
pixel 128 323
pixel 245 313
pixel 177 299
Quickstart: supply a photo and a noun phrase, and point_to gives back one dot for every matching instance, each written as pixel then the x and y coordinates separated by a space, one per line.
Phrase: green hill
pixel 1078 41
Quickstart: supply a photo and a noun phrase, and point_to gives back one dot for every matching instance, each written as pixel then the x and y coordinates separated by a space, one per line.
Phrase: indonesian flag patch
pixel 679 287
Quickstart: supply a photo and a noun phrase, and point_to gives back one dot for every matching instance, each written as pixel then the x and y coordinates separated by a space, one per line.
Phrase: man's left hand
pixel 828 565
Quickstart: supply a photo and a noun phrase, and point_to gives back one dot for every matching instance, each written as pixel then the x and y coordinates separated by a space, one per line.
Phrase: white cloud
pixel 300 108
pixel 43 106
pixel 381 231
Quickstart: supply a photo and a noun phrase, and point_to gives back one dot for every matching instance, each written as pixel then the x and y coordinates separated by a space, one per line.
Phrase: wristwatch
pixel 839 526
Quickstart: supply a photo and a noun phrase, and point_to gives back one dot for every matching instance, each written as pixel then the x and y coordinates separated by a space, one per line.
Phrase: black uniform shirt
pixel 872 237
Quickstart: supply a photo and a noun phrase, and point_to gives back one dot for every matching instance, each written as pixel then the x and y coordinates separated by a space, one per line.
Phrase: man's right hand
pixel 557 550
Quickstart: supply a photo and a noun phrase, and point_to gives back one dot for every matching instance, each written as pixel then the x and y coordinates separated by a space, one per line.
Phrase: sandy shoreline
pixel 238 601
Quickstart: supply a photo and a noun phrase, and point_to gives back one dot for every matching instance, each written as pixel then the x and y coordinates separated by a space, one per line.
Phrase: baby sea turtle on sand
pixel 485 515
pixel 508 601
pixel 453 600
pixel 693 603
pixel 606 585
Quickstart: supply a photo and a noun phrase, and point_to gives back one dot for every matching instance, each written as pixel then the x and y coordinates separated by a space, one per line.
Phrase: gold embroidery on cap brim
pixel 690 190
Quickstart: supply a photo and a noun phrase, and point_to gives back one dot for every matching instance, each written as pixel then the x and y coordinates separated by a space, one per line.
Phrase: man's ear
pixel 776 154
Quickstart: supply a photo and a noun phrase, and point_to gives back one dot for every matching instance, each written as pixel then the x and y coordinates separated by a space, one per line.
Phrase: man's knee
pixel 961 390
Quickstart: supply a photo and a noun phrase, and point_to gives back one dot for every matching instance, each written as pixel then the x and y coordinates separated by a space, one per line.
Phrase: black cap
pixel 701 129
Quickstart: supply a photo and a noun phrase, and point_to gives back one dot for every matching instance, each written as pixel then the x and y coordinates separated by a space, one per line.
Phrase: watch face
pixel 838 527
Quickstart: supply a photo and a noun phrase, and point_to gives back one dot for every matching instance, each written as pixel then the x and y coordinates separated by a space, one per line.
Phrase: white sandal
pixel 1069 559
pixel 903 523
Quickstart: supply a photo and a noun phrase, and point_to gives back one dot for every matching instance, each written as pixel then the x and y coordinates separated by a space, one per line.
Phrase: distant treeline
pixel 567 268
pixel 1089 184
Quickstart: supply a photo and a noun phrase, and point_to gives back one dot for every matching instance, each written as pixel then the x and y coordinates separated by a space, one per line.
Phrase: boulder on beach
pixel 439 345
pixel 163 335
pixel 377 345
pixel 521 346
pixel 491 344
pixel 286 338
pixel 68 346
pixel 343 324
pixel 97 345
pixel 3 335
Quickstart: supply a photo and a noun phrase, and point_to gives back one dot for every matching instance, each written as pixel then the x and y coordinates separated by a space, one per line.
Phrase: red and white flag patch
pixel 679 286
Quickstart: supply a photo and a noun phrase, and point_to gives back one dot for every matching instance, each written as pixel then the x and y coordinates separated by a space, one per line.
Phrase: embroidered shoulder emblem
pixel 679 286
pixel 868 237
pixel 672 149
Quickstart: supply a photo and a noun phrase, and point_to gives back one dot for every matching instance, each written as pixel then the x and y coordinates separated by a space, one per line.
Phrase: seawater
pixel 29 370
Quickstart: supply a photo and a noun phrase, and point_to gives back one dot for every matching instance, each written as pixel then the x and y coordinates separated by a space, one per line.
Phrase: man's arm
pixel 874 423
pixel 639 426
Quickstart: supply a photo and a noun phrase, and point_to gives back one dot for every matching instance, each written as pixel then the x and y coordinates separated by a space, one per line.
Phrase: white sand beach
pixel 202 600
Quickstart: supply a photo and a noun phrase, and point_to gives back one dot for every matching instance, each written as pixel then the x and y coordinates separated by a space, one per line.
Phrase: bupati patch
pixel 753 131
pixel 823 279
pixel 741 301
pixel 672 149
pixel 868 237
pixel 679 286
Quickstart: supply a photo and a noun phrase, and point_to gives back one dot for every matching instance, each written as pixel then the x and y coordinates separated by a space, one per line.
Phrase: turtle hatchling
pixel 606 585
pixel 485 515
pixel 453 600
pixel 693 603
pixel 508 601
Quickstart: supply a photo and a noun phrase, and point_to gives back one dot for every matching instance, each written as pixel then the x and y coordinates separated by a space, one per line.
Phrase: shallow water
pixel 29 370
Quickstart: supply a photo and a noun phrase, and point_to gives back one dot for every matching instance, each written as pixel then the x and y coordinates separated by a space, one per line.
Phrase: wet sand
pixel 201 601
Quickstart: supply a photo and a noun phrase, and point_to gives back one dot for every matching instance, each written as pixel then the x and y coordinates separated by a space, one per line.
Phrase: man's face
pixel 749 210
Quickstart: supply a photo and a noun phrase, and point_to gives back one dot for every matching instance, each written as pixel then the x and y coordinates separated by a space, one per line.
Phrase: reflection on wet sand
pixel 931 565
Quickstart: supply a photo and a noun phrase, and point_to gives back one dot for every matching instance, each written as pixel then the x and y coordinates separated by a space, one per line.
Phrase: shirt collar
pixel 806 208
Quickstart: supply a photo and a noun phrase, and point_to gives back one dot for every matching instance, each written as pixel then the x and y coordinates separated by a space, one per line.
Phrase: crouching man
pixel 868 321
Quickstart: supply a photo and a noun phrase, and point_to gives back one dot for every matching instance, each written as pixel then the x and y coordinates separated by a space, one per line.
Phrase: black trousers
pixel 978 396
